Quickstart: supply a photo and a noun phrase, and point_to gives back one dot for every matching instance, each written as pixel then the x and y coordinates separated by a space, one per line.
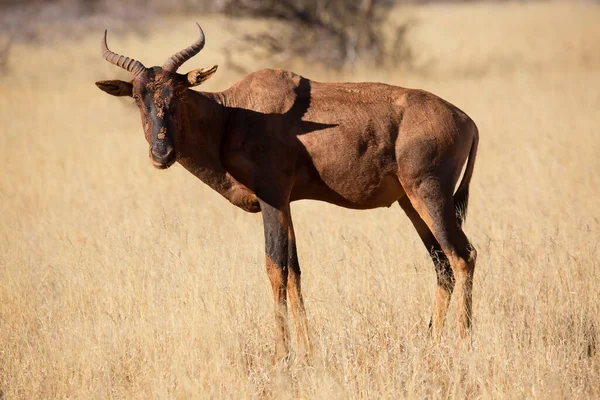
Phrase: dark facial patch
pixel 157 94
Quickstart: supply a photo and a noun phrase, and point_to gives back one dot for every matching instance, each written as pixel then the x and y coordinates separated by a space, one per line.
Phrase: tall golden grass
pixel 121 281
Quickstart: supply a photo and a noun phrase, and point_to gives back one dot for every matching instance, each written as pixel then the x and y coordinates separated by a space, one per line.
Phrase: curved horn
pixel 177 59
pixel 131 65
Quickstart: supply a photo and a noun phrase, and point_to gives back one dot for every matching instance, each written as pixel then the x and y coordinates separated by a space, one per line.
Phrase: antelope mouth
pixel 163 162
pixel 162 165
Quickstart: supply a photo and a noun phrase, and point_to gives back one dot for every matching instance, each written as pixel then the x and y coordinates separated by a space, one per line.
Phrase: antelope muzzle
pixel 162 151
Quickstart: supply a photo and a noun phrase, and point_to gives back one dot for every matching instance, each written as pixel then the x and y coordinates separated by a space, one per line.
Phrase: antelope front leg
pixel 276 250
pixel 295 295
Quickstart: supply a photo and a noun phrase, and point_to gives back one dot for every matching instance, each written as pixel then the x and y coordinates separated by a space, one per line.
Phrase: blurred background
pixel 331 34
pixel 334 34
pixel 121 281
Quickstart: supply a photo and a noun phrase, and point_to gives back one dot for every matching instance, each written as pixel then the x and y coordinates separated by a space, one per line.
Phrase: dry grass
pixel 120 281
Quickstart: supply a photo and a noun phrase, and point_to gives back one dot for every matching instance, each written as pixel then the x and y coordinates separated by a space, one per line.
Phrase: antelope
pixel 275 137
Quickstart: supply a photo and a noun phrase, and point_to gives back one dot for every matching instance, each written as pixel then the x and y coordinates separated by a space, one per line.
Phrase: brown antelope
pixel 275 137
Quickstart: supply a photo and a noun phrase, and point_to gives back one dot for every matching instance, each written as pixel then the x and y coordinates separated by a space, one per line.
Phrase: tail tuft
pixel 461 203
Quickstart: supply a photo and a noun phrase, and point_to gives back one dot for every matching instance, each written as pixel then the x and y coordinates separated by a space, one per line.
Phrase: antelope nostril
pixel 162 155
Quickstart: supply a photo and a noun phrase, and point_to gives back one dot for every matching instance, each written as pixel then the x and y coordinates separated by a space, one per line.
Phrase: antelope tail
pixel 461 197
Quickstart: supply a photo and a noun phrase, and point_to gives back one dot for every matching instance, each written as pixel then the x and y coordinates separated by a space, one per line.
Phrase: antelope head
pixel 158 93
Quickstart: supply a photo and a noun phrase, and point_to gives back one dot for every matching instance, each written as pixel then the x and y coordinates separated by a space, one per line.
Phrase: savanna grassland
pixel 121 281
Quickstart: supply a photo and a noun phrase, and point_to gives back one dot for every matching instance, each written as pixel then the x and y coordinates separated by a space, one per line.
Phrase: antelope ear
pixel 116 88
pixel 198 76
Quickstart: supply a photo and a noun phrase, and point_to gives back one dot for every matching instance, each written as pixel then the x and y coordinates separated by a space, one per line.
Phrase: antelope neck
pixel 205 117
pixel 198 145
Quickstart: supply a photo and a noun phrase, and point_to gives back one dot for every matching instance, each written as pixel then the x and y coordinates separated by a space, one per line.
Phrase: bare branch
pixel 333 33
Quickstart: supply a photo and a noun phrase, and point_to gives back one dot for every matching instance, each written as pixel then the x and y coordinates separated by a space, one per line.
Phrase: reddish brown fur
pixel 275 137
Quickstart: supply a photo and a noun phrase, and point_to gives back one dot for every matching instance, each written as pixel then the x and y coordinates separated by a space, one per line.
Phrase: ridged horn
pixel 177 59
pixel 131 65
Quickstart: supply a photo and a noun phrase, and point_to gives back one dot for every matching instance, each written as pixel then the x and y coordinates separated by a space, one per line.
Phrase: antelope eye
pixel 137 97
